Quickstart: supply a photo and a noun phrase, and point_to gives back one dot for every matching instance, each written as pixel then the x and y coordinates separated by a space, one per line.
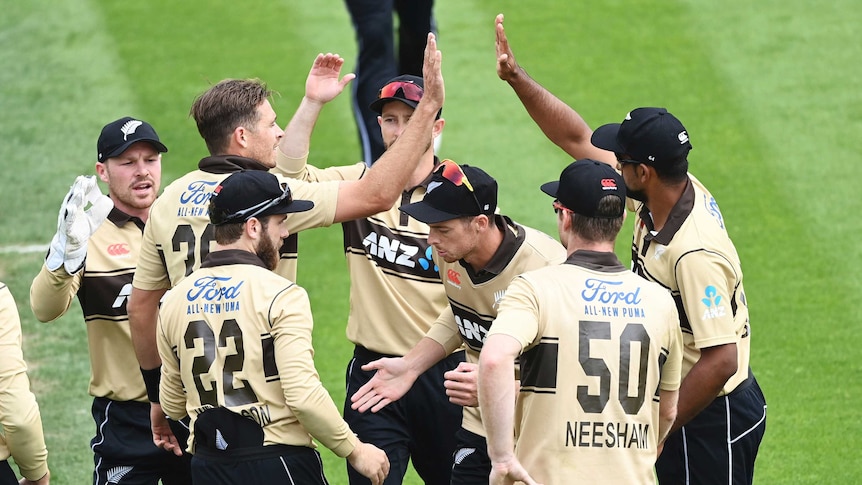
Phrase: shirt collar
pixel 226 257
pixel 596 260
pixel 120 218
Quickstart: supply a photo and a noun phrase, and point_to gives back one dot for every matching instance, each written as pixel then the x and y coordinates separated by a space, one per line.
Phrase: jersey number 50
pixel 633 334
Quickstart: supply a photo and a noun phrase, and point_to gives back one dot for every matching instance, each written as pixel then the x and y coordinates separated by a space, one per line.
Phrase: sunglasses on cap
pixel 245 214
pixel 452 172
pixel 559 207
pixel 411 91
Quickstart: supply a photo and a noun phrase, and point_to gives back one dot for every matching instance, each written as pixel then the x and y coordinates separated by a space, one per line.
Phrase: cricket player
pixel 680 241
pixel 478 253
pixel 93 256
pixel 395 295
pixel 600 352
pixel 235 343
pixel 22 437
pixel 237 121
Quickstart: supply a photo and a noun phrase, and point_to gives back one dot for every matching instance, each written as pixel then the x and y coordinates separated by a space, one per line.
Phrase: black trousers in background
pixel 718 446
pixel 124 451
pixel 421 426
pixel 7 476
pixel 377 63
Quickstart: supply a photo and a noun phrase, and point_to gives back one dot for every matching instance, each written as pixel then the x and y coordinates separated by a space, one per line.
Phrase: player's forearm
pixel 558 121
pixel 667 412
pixel 423 356
pixel 52 292
pixel 143 308
pixel 297 134
pixel 22 426
pixel 704 382
pixel 497 402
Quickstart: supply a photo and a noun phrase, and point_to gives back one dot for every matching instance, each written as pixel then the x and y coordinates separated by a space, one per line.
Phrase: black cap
pixel 399 89
pixel 583 184
pixel 449 196
pixel 647 135
pixel 252 193
pixel 119 135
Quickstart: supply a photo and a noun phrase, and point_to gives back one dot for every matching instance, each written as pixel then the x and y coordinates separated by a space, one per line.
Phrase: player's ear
pixel 239 136
pixel 102 171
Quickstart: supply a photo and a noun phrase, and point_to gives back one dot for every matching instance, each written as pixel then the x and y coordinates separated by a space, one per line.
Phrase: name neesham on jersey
pixel 597 434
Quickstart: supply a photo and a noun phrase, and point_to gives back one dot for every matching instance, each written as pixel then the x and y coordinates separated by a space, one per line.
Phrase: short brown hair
pixel 224 107
pixel 598 229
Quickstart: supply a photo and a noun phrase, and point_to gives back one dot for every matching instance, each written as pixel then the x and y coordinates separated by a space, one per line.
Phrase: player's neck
pixel 486 249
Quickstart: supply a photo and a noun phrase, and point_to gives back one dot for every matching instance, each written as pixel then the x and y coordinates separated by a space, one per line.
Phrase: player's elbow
pixel 44 312
pixel 722 360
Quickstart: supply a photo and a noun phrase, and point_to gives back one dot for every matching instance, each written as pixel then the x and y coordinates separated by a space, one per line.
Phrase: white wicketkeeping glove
pixel 75 225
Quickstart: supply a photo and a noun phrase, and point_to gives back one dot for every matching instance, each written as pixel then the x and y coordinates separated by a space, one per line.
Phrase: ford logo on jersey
pixel 198 192
pixel 599 291
pixel 213 288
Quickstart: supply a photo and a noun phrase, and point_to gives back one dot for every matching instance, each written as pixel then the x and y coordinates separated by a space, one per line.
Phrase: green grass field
pixel 764 88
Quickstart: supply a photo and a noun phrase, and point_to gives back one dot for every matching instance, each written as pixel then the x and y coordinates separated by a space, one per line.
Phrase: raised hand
pixel 507 68
pixel 323 83
pixel 84 209
pixel 432 76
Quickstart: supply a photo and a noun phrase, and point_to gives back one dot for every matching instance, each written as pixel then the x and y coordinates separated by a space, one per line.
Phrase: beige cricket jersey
pixel 179 235
pixel 236 335
pixel 694 258
pixel 474 296
pixel 395 290
pixel 102 287
pixel 20 420
pixel 598 343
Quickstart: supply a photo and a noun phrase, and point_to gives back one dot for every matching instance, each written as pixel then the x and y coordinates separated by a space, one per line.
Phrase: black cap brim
pixel 551 188
pixel 423 212
pixel 160 147
pixel 289 207
pixel 605 137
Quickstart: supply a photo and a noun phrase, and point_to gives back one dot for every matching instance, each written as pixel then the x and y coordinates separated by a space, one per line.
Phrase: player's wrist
pixel 152 378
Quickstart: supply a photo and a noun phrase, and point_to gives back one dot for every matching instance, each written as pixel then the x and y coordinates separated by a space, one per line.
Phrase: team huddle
pixel 485 351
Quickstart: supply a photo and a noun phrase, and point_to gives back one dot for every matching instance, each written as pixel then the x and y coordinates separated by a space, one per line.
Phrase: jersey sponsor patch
pixel 713 302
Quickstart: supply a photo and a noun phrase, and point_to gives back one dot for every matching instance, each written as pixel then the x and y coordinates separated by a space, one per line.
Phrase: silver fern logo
pixel 130 128
pixel 498 295
pixel 462 454
pixel 221 443
pixel 117 473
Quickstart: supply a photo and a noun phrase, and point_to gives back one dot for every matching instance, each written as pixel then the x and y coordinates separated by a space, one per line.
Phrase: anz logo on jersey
pixel 213 294
pixel 390 249
pixel 473 329
pixel 195 199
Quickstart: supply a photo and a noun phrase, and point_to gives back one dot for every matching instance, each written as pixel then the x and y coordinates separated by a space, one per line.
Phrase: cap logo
pixel 609 184
pixel 432 186
pixel 651 158
pixel 629 115
pixel 130 128
pixel 683 137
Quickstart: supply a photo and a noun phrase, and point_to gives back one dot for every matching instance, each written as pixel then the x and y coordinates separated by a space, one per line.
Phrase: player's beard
pixel 267 252
pixel 636 194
